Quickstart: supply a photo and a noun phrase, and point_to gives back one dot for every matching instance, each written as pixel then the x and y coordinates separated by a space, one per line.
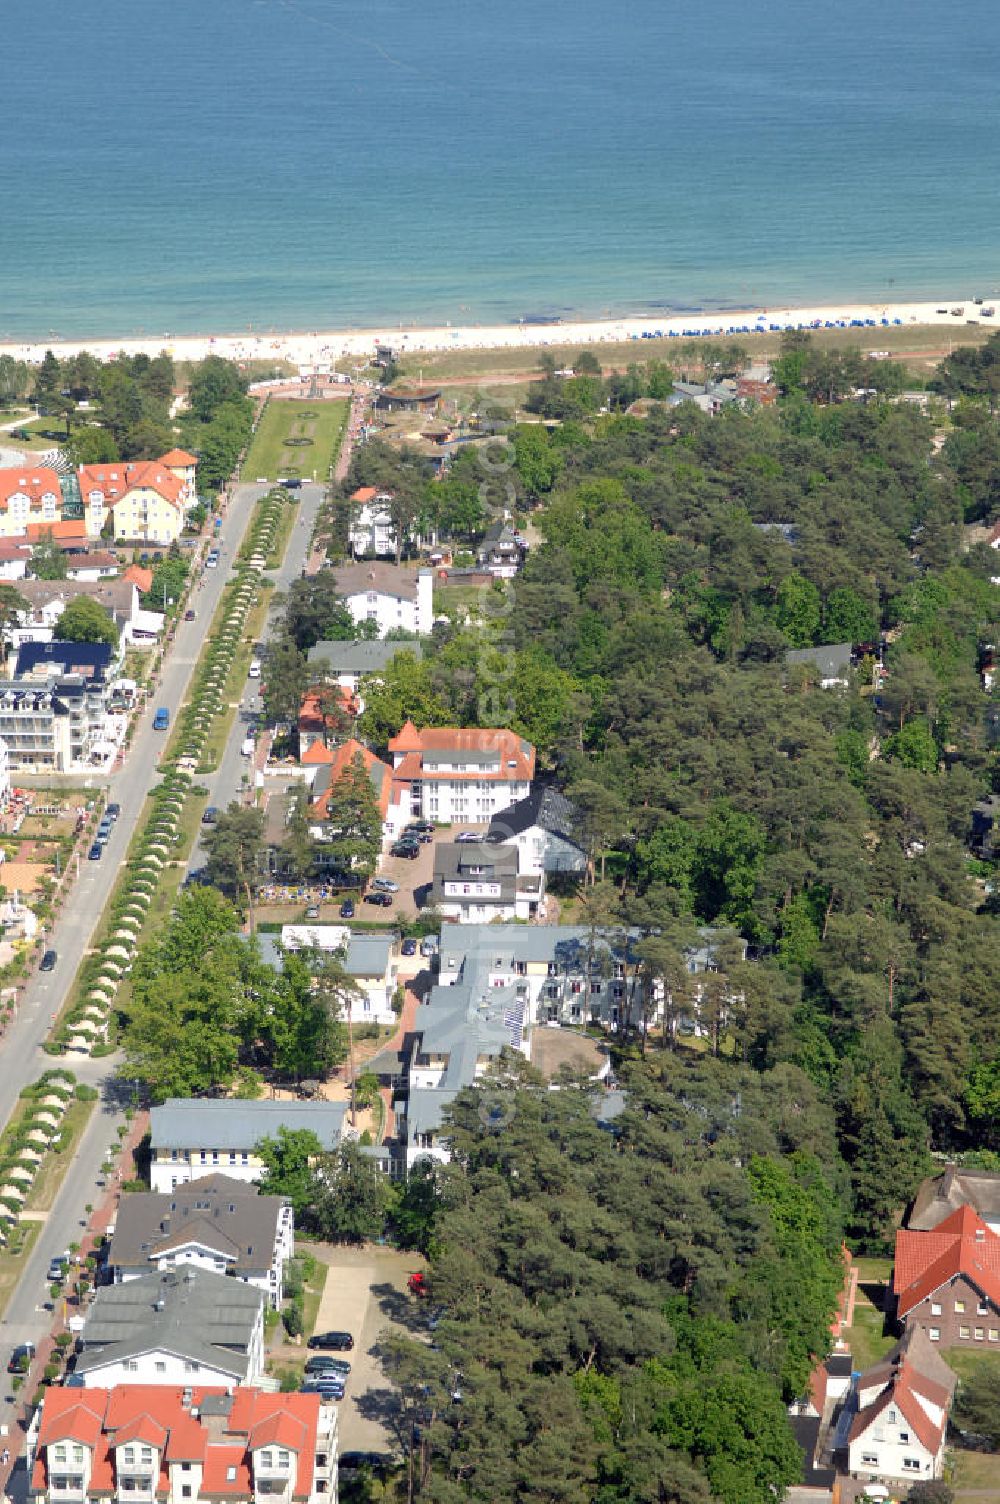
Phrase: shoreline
pixel 323 347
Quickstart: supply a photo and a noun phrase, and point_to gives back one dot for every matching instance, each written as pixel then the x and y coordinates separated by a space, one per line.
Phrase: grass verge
pixel 232 692
pixel 13 1256
pixel 55 1164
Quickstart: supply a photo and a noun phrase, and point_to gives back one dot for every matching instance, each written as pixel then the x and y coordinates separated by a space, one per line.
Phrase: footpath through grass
pixel 297 438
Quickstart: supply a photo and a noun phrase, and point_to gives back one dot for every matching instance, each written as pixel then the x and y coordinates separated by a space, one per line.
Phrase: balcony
pixel 66 1488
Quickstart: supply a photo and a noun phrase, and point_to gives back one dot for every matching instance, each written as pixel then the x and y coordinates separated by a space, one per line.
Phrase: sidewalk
pixel 69 1303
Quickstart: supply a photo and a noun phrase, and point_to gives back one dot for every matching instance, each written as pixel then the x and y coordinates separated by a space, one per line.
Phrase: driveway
pixel 415 878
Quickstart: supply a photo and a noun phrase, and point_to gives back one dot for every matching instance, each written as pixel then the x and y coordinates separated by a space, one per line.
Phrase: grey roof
pixel 204 1318
pixel 833 659
pixel 361 657
pixel 217 1212
pixel 941 1195
pixel 115 596
pixel 367 955
pixel 475 861
pixel 545 807
pixel 194 1123
pixel 425 1108
pixel 384 579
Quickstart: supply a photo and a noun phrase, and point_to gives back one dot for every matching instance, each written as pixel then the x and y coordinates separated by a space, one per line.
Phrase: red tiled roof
pixel 316 754
pixel 99 559
pixel 279 1429
pixel 36 531
pixel 178 459
pixel 310 713
pixel 960 1245
pixel 162 1416
pixel 365 493
pixel 34 482
pixel 116 480
pixel 903 1392
pixel 143 578
pixel 515 756
pixel 378 771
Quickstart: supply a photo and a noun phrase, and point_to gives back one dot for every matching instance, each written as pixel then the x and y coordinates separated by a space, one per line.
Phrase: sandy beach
pixel 308 349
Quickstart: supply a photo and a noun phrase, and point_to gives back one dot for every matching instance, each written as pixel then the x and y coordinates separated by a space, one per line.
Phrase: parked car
pixel 211 815
pixel 384 900
pixel 468 835
pixel 332 1341
pixel 327 1363
pixel 409 849
pixel 21 1357
pixel 327 1389
pixel 385 884
pixel 417 1285
pixel 212 562
pixel 104 829
pixel 48 962
pixel 347 909
pixel 409 948
pixel 161 719
pixel 312 912
pixel 428 946
pixel 189 614
pixel 113 810
pixel 94 854
pixel 253 672
pixel 57 1269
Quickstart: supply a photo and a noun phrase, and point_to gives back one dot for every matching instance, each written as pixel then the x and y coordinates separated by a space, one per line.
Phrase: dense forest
pixel 627 1312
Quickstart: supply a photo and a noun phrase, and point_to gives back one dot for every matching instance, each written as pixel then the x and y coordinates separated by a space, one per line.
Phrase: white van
pixel 247 748
pixel 254 670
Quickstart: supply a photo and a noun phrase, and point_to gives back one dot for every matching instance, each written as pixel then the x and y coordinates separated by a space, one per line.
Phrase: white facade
pixel 159 1366
pixel 391 610
pixel 890 1448
pixel 372 530
pixel 540 851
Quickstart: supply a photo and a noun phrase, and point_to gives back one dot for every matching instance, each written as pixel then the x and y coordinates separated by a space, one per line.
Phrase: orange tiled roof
pixel 316 755
pixel 310 713
pixel 903 1392
pixel 178 458
pixel 116 480
pixel 159 1416
pixel 365 493
pixel 515 756
pixel 70 530
pixel 379 772
pixel 960 1245
pixel 142 578
pixel 34 481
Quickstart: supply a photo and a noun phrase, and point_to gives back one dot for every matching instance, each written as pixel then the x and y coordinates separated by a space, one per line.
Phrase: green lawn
pixel 866 1337
pixel 321 422
pixel 966 1360
pixel 976 1479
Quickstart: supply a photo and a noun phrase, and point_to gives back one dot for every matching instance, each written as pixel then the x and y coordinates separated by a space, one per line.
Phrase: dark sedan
pixel 335 1341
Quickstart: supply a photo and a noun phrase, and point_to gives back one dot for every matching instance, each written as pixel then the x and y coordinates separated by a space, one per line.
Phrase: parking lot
pixel 415 876
pixel 365 1294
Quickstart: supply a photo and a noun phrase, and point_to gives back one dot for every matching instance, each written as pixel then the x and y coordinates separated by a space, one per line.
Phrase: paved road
pixel 226 783
pixel 21 1056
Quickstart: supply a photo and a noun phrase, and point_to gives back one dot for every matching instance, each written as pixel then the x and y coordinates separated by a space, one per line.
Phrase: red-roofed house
pixel 66 533
pixel 901 1415
pixel 185 467
pixel 947 1281
pixel 332 767
pixel 372 530
pixel 135 1442
pixel 317 718
pixel 144 498
pixel 141 578
pixel 28 494
pixel 453 774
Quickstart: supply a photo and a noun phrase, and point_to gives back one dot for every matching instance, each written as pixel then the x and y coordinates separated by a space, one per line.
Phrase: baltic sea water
pixel 206 165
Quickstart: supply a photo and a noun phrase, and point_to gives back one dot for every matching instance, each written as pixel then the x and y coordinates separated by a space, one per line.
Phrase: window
pixel 185 1490
pixel 982 1309
pixel 129 1456
pixel 904 1436
pixel 132 1365
pixel 230 1475
pixel 266 1459
pixel 59 1454
pixel 934 1333
pixel 935 1308
pixel 869 1459
pixel 959 1307
pixel 160 1367
pixel 911 1464
pixel 993 1334
pixel 147 1454
pixel 963 1331
pixel 978 1334
pixel 283 1458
